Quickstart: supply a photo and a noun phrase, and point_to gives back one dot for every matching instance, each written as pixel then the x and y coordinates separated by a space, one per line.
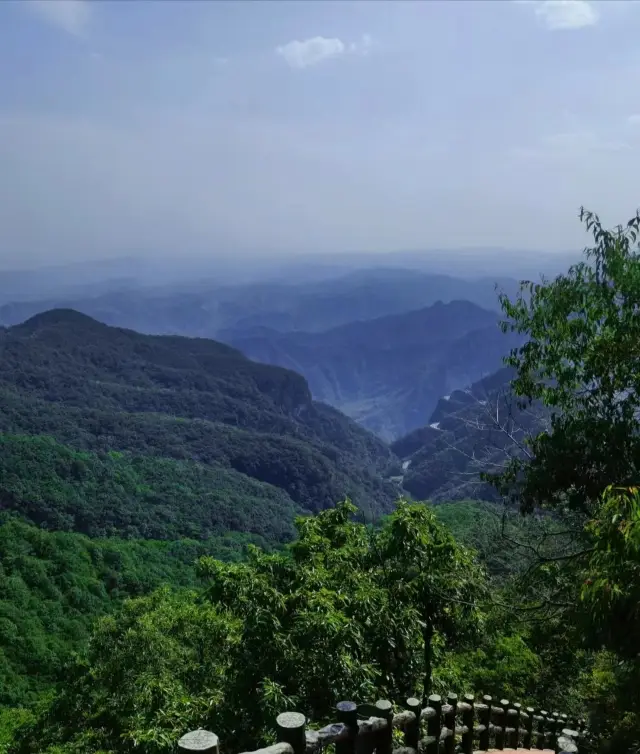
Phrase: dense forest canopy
pixel 109 433
pixel 99 388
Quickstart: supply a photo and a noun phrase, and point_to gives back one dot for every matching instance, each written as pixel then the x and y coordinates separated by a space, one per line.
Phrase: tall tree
pixel 581 360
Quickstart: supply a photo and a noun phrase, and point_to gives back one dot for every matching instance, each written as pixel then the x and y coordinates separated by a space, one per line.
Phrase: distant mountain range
pixel 388 373
pixel 382 345
pixel 205 440
pixel 244 267
pixel 206 309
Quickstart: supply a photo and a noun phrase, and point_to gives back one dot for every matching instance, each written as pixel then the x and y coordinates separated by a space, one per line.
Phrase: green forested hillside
pixel 53 585
pixel 120 494
pixel 129 438
pixel 97 388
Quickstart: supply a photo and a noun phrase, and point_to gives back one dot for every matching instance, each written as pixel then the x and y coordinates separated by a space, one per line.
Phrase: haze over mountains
pixel 380 344
pixel 207 309
pixel 388 373
pixel 89 278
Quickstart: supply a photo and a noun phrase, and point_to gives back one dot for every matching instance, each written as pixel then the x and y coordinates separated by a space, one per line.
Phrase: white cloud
pixel 311 52
pixel 71 16
pixel 362 47
pixel 302 54
pixel 564 14
pixel 634 120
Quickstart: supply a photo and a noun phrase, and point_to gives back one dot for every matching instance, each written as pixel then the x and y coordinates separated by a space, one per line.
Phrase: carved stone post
pixel 501 723
pixel 450 722
pixel 467 722
pixel 384 738
pixel 201 741
pixel 348 716
pixel 290 727
pixel 528 736
pixel 412 731
pixel 433 724
pixel 513 720
pixel 540 736
pixel 485 721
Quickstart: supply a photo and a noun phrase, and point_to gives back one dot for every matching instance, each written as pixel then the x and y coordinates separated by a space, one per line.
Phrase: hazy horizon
pixel 183 130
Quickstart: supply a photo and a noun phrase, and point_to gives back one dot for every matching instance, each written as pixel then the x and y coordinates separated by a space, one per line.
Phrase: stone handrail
pixel 435 728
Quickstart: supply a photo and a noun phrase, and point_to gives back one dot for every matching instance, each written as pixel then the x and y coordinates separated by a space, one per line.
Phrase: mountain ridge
pixel 206 308
pixel 388 372
pixel 96 388
pixel 470 431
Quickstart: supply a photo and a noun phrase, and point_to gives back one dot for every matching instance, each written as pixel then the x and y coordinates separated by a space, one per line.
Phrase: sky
pixel 178 128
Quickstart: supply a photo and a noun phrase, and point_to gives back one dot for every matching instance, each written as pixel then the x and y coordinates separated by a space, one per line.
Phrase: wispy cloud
pixel 309 52
pixel 564 14
pixel 634 120
pixel 71 16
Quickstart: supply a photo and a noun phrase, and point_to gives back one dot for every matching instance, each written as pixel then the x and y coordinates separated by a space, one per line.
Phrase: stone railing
pixel 447 727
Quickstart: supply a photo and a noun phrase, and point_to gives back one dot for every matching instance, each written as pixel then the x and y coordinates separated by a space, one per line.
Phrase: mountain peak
pixel 57 317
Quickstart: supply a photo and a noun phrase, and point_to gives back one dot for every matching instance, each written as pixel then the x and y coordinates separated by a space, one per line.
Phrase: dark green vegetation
pixel 347 612
pixel 582 362
pixel 108 433
pixel 101 389
pixel 53 585
pixel 113 493
pixel 544 608
pixel 388 373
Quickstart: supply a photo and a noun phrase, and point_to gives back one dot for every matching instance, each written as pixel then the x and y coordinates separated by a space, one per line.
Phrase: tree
pixel 347 612
pixel 581 361
pixel 610 607
pixel 432 582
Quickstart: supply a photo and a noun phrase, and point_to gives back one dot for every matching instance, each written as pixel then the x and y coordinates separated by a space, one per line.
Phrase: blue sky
pixel 177 128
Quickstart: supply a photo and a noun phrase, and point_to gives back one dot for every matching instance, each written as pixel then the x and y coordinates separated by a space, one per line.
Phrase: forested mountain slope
pixel 53 586
pixel 98 389
pixel 388 373
pixel 469 431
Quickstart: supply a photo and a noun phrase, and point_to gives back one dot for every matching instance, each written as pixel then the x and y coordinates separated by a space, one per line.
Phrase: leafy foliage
pixel 328 619
pixel 109 433
pixel 53 585
pixel 581 360
pixel 610 612
pixel 112 493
